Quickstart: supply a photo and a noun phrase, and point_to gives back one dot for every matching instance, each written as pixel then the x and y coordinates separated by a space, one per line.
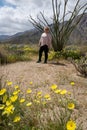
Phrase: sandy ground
pixel 44 75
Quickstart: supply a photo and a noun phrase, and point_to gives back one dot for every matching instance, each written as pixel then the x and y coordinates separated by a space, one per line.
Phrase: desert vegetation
pixel 12 53
pixel 34 109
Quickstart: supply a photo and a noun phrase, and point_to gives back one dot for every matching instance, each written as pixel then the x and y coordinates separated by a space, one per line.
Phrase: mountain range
pixel 78 36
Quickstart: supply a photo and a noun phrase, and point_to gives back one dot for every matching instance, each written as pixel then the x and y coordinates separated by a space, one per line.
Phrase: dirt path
pixel 44 75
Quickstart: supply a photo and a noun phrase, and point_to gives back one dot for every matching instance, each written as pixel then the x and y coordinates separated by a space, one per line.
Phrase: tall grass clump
pixel 35 110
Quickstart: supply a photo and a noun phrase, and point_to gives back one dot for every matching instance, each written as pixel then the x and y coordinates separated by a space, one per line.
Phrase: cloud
pixel 14 14
pixel 12 20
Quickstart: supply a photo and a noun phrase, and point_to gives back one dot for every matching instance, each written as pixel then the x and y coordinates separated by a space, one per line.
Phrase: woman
pixel 45 44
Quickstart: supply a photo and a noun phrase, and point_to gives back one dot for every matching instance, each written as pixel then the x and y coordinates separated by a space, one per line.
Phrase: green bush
pixel 71 52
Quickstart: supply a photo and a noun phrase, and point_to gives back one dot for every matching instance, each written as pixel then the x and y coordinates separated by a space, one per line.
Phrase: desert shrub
pixel 51 55
pixel 11 58
pixel 83 50
pixel 55 55
pixel 3 55
pixel 3 59
pixel 67 53
pixel 71 52
pixel 81 65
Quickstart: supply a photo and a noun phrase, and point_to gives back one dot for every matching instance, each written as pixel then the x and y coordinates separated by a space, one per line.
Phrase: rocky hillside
pixel 78 36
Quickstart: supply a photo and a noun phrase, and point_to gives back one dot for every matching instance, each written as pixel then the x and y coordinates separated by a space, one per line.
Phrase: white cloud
pixel 14 15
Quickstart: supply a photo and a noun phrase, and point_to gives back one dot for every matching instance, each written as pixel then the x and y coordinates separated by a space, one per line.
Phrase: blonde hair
pixel 46 29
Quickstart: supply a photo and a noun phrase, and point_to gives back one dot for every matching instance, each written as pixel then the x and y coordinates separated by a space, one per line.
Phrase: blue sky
pixel 1 2
pixel 14 14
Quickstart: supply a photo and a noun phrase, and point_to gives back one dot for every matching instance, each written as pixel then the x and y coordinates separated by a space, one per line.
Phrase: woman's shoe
pixel 38 61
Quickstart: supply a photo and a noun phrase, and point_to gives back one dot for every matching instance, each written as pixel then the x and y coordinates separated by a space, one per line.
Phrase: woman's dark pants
pixel 44 49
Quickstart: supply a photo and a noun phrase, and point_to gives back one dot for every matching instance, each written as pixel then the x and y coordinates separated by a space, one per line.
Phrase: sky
pixel 15 14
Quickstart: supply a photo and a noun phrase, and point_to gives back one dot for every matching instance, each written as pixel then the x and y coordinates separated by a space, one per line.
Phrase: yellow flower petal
pixel 53 87
pixel 71 106
pixel 44 102
pixel 39 93
pixel 63 92
pixel 57 91
pixel 31 83
pixel 2 106
pixel 9 83
pixel 8 103
pixel 16 86
pixel 22 100
pixel 72 83
pixel 71 125
pixel 13 98
pixel 17 119
pixel 16 92
pixel 29 91
pixel 29 104
pixel 8 110
pixel 37 101
pixel 2 91
pixel 47 97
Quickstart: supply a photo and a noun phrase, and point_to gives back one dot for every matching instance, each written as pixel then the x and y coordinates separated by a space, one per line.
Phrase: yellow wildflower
pixel 63 92
pixel 29 91
pixel 31 83
pixel 2 106
pixel 8 110
pixel 8 103
pixel 37 101
pixel 57 91
pixel 17 119
pixel 71 106
pixel 54 86
pixel 13 98
pixel 39 93
pixel 29 104
pixel 16 92
pixel 72 83
pixel 71 125
pixel 47 97
pixel 2 91
pixel 22 100
pixel 44 102
pixel 16 86
pixel 9 83
pixel 39 96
